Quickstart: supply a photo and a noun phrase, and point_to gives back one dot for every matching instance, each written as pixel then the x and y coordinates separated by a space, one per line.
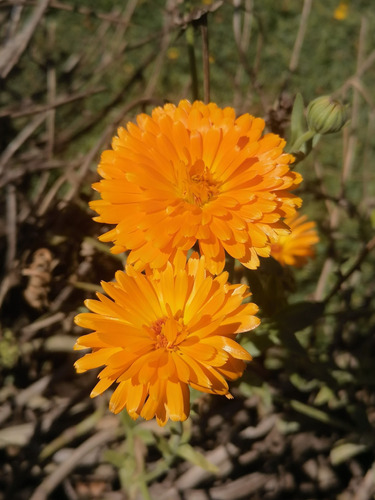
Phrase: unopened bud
pixel 326 115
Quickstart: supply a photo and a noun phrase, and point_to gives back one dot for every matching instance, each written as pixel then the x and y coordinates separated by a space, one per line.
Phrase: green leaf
pixel 187 452
pixel 115 458
pixel 343 377
pixel 315 413
pixel 303 384
pixel 345 451
pixel 372 218
pixel 324 395
pixel 147 436
pixel 298 123
pixel 164 447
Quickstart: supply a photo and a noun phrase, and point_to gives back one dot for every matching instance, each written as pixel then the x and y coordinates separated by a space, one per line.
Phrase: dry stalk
pixel 11 226
pixel 61 472
pixel 42 108
pixel 242 39
pixel 17 142
pixel 16 45
pixel 84 11
pixel 170 5
pixel 349 143
pixel 294 60
pixel 206 59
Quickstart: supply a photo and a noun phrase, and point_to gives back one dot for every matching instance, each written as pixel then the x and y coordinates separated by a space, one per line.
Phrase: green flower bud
pixel 325 115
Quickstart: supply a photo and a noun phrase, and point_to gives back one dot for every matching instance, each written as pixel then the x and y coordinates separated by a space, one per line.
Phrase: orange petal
pixel 178 400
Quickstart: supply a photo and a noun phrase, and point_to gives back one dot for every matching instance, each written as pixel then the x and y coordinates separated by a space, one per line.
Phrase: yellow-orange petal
pixel 163 331
pixel 178 400
pixel 296 247
pixel 168 177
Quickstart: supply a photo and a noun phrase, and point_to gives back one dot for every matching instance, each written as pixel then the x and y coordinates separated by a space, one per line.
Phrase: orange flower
pixel 162 332
pixel 341 11
pixel 195 172
pixel 295 248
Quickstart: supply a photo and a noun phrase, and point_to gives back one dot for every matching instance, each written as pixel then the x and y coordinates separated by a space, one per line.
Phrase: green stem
pixel 301 140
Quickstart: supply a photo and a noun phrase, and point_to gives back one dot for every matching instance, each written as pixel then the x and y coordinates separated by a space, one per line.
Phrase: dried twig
pixel 17 172
pixel 84 11
pixel 86 125
pixel 242 42
pixel 60 473
pixel 20 139
pixel 24 396
pixel 104 138
pixel 11 226
pixel 14 48
pixel 206 60
pixel 192 62
pixel 42 108
pixel 15 18
pixel 242 39
pixel 164 43
pixel 356 265
pixel 51 96
pixel 294 60
pixel 30 330
pixel 350 144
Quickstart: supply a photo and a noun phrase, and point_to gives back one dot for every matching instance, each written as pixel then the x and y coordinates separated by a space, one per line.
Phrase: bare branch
pixel 16 45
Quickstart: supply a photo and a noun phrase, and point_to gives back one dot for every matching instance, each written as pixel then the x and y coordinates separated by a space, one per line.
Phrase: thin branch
pixel 294 60
pixel 84 11
pixel 242 39
pixel 108 132
pixel 61 101
pixel 20 139
pixel 164 43
pixel 192 61
pixel 355 266
pixel 51 95
pixel 242 53
pixel 350 146
pixel 206 59
pixel 61 472
pixel 14 48
pixel 11 226
pixel 16 172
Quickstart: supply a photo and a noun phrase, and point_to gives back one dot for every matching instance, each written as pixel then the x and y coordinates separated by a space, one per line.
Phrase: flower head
pixel 341 11
pixel 326 115
pixel 295 248
pixel 161 332
pixel 195 172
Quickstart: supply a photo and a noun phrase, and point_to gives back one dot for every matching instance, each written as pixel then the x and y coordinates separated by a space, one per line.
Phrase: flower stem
pixel 301 140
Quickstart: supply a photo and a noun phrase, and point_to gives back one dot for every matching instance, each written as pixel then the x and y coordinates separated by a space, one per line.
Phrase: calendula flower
pixel 195 172
pixel 341 11
pixel 295 248
pixel 160 333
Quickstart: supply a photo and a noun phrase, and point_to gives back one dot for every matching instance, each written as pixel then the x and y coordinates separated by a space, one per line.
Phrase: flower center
pixel 167 333
pixel 199 186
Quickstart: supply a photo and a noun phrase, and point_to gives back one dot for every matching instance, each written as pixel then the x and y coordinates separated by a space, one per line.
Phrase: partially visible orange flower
pixel 162 332
pixel 341 11
pixel 195 172
pixel 295 248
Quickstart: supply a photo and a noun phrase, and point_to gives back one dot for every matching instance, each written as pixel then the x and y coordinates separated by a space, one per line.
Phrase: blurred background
pixel 301 425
